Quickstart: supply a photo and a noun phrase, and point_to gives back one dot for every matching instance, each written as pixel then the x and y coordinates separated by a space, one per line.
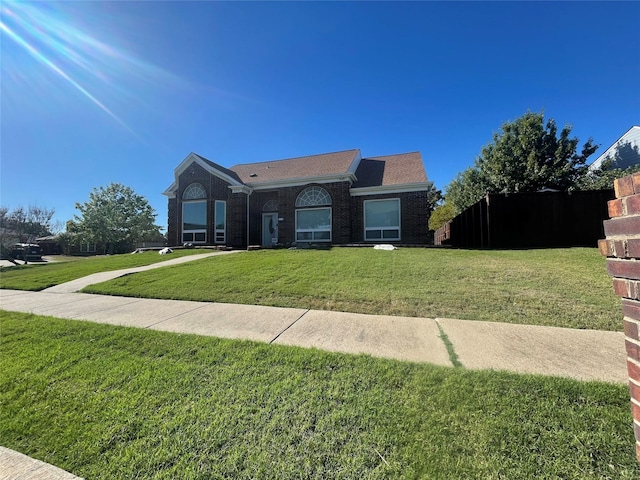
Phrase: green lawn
pixel 557 287
pixel 108 402
pixel 38 276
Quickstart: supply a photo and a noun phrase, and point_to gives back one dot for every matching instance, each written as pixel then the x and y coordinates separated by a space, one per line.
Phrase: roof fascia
pixel 385 189
pixel 241 189
pixel 171 190
pixel 355 163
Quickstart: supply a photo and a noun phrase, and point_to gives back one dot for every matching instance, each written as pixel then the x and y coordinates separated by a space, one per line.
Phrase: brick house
pixel 333 198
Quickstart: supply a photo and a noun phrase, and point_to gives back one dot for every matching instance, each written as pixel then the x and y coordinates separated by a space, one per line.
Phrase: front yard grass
pixel 110 402
pixel 38 276
pixel 556 287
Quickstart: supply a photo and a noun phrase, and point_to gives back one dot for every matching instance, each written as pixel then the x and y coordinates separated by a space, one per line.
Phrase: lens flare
pixel 49 35
pixel 44 60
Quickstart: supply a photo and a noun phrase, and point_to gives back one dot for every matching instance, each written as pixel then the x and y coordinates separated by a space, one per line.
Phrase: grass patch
pixel 112 402
pixel 453 356
pixel 556 287
pixel 38 276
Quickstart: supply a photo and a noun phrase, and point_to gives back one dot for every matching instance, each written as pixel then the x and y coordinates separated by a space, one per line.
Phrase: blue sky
pixel 93 93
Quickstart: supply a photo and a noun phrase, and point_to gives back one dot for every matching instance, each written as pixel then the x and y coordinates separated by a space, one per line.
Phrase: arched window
pixel 313 223
pixel 194 191
pixel 270 206
pixel 194 214
pixel 313 197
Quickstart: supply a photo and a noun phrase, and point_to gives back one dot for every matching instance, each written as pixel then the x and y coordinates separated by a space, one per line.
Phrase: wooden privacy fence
pixel 529 220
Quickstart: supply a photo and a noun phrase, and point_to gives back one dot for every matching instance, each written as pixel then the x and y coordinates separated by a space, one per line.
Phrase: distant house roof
pixel 625 152
pixel 400 172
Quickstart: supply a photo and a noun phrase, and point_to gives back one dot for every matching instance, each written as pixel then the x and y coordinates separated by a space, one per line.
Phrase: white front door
pixel 269 229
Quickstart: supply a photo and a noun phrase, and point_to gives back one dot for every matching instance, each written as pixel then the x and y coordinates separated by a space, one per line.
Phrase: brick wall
pixel 173 230
pixel 622 247
pixel 414 208
pixel 217 189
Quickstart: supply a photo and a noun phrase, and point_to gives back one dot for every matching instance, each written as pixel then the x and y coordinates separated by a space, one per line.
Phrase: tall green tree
pixel 441 215
pixel 24 225
pixel 116 218
pixel 526 155
pixel 466 189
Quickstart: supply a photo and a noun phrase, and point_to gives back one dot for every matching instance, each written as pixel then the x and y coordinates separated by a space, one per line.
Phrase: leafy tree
pixel 603 177
pixel 441 215
pixel 23 225
pixel 525 156
pixel 434 196
pixel 116 218
pixel 466 189
pixel 26 224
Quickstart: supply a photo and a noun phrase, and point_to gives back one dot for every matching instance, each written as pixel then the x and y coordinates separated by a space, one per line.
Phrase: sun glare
pixel 92 67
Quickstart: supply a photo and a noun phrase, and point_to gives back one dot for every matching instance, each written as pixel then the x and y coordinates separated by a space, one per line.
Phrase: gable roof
pixel 336 164
pixel 390 173
pixel 220 168
pixel 624 152
pixel 211 167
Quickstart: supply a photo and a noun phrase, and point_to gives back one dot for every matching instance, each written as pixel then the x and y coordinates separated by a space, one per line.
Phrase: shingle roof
pixel 293 168
pixel 397 169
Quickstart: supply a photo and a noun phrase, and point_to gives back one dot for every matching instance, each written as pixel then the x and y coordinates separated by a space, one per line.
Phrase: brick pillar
pixel 622 247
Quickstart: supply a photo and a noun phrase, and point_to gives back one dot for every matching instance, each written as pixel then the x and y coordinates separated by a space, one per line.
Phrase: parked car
pixel 27 251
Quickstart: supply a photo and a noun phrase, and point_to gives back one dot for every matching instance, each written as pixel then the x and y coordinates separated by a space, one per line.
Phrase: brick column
pixel 622 247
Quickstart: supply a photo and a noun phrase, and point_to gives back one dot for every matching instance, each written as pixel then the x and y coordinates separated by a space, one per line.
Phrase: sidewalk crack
pixel 177 315
pixel 288 327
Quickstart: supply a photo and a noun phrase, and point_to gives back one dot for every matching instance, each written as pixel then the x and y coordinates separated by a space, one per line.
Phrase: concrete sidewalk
pixel 479 345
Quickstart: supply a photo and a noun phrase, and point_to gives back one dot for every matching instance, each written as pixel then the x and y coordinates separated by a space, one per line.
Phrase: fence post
pixel 622 247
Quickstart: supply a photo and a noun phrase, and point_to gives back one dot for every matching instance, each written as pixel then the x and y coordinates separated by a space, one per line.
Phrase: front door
pixel 269 229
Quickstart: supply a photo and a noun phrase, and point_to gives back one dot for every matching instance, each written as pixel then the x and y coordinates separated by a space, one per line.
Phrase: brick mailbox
pixel 622 247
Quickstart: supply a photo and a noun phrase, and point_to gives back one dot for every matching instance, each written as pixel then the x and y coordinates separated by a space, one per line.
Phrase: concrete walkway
pixel 80 283
pixel 577 354
pixel 16 466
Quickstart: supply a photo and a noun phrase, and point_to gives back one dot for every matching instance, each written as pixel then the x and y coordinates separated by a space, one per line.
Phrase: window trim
pixel 313 196
pixel 382 229
pixel 313 231
pixel 194 191
pixel 219 234
pixel 196 231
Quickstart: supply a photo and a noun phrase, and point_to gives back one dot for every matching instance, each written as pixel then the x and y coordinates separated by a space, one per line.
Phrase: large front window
pixel 382 219
pixel 313 224
pixel 194 214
